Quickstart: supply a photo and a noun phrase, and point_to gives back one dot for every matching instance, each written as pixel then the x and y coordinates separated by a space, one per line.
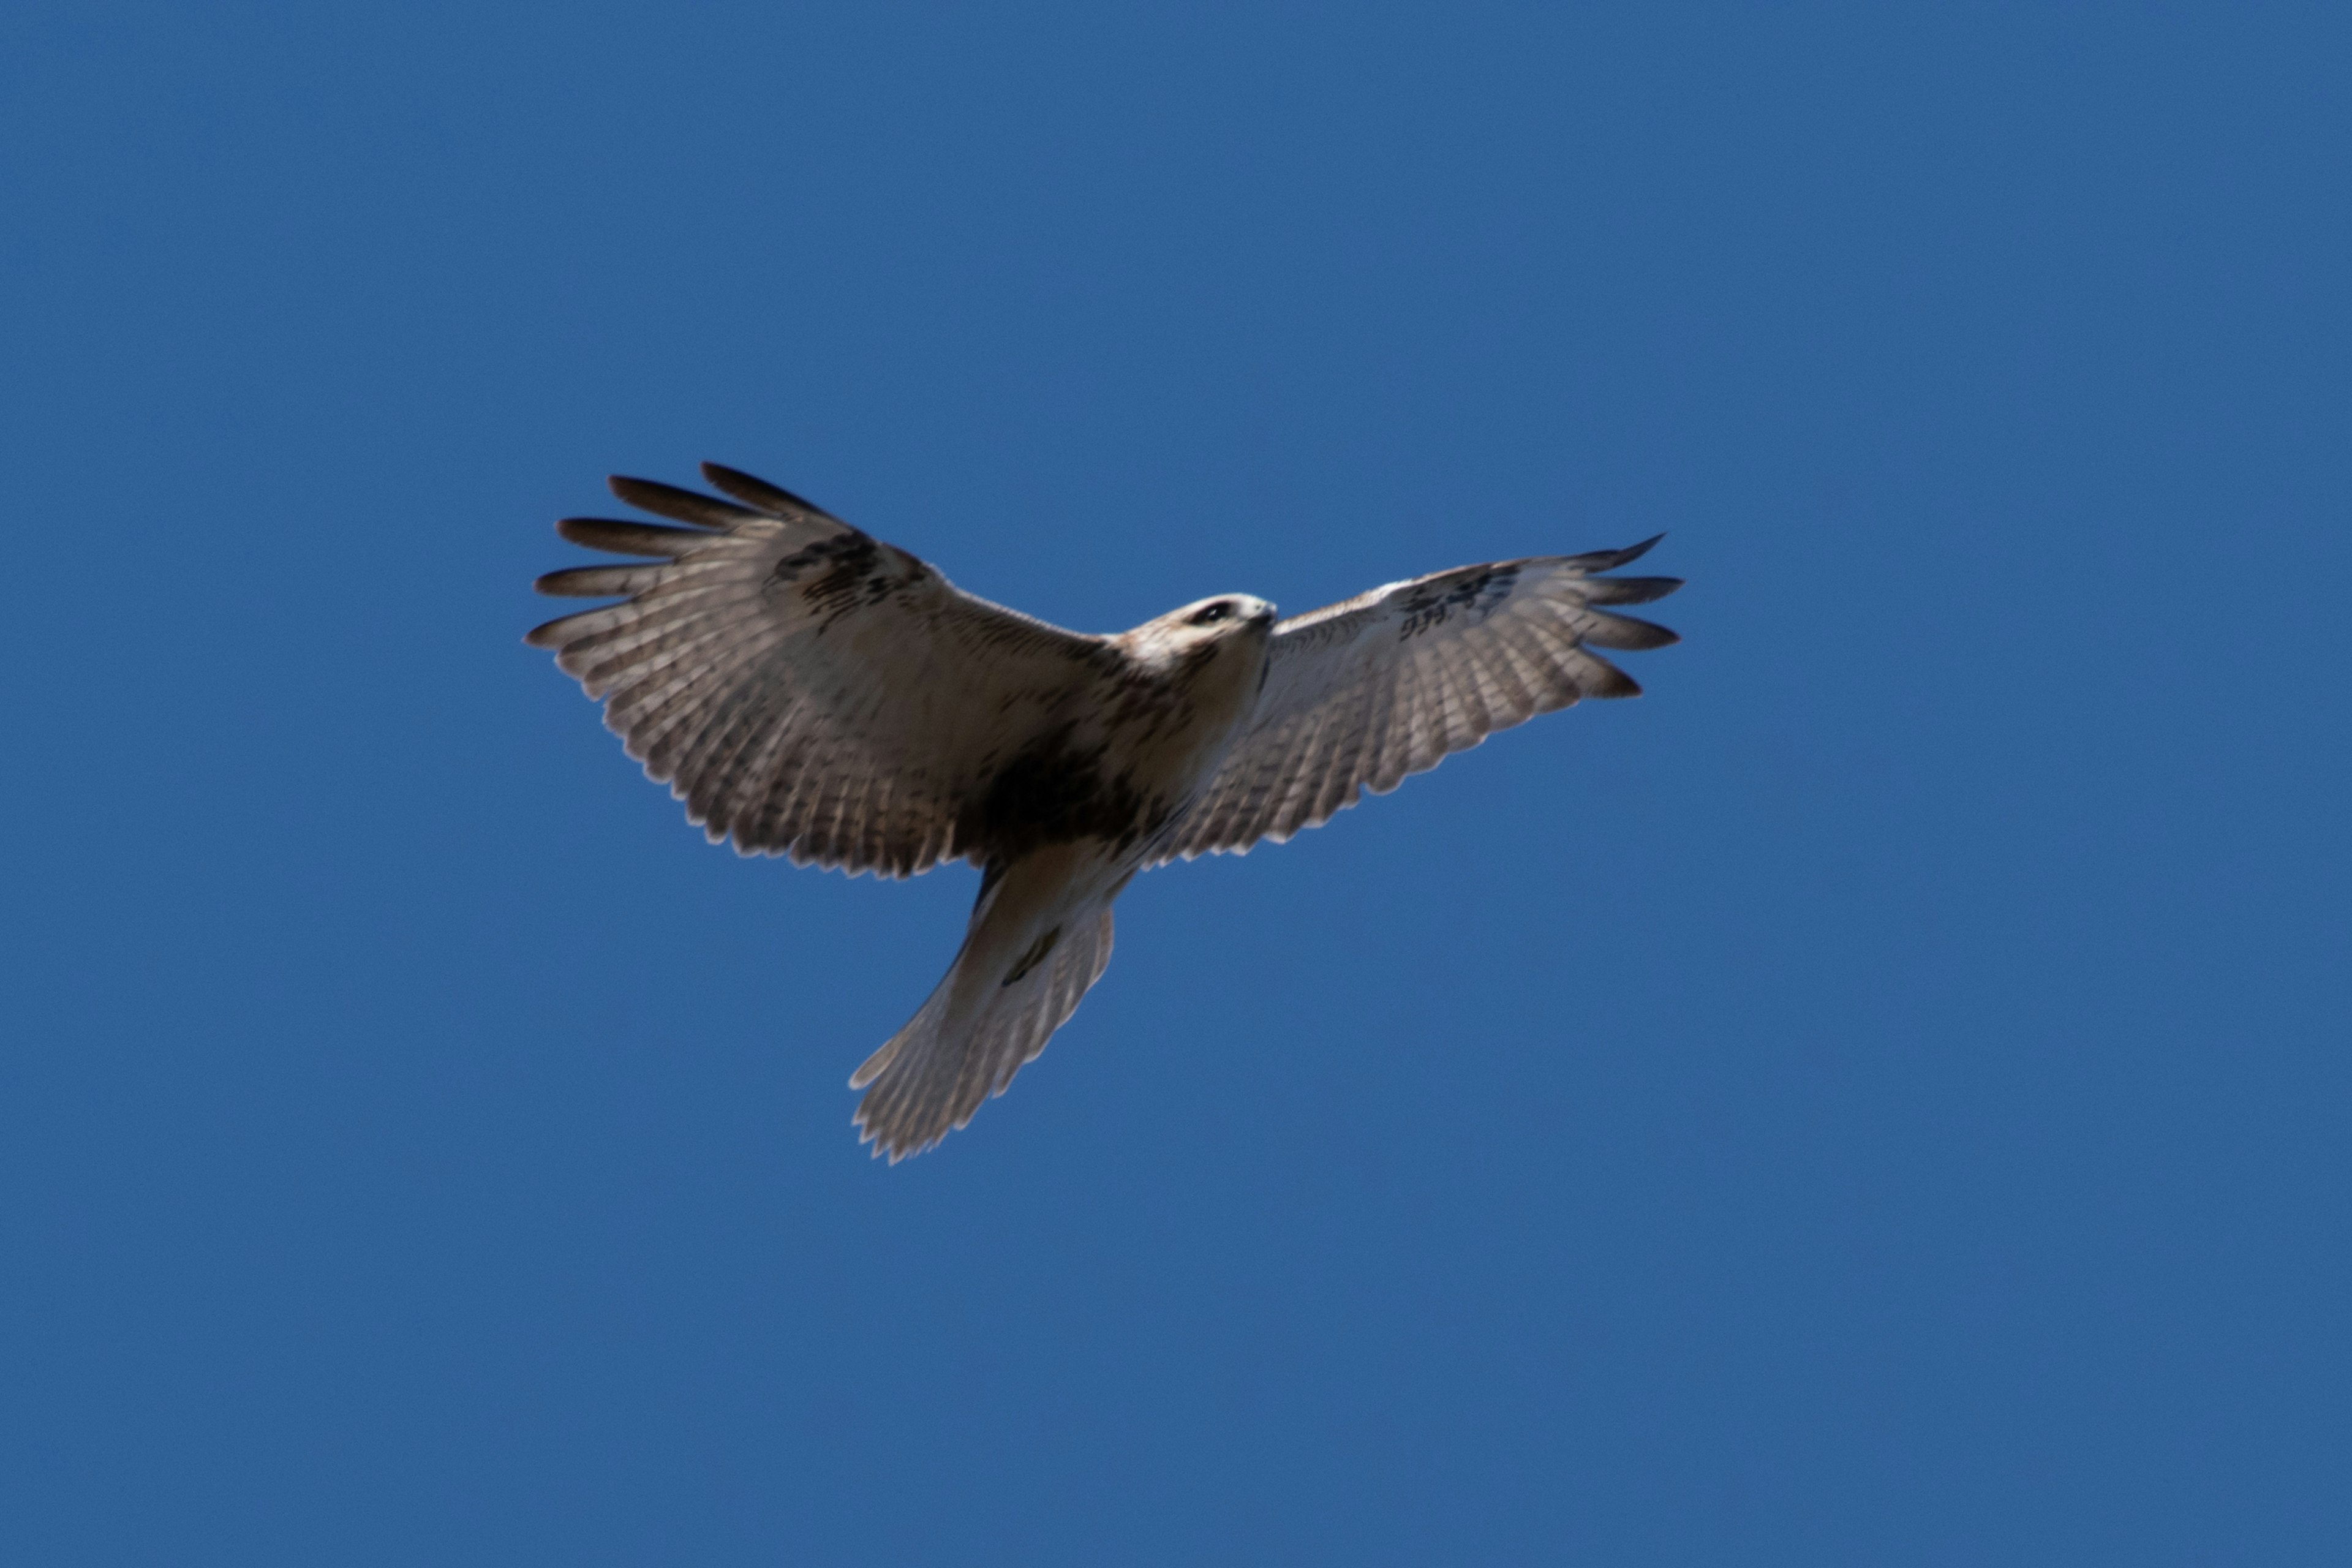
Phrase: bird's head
pixel 1205 630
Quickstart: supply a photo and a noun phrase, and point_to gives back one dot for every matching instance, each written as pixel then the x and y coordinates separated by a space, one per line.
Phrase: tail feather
pixel 932 1075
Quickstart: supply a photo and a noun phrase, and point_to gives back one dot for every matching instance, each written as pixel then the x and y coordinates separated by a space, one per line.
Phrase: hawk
pixel 810 691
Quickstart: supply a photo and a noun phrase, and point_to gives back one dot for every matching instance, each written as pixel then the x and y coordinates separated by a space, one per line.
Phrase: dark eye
pixel 1209 615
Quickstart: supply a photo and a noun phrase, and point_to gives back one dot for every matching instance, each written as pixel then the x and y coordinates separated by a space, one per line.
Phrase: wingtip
pixel 1630 634
pixel 1610 684
pixel 628 487
pixel 682 505
pixel 1609 560
pixel 755 492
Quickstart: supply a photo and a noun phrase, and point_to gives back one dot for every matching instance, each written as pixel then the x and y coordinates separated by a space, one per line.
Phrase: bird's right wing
pixel 1360 694
pixel 805 688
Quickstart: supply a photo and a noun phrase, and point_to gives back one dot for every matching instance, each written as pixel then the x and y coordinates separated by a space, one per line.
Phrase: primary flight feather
pixel 809 690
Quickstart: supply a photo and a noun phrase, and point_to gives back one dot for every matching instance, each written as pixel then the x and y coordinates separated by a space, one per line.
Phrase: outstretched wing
pixel 806 688
pixel 1359 695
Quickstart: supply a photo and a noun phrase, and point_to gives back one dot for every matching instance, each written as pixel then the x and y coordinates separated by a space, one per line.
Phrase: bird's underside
pixel 811 691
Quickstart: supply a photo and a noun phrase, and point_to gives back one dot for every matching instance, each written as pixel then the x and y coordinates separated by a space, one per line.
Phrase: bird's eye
pixel 1209 615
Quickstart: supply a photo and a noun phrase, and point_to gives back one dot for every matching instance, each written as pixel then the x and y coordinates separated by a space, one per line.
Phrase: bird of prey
pixel 811 691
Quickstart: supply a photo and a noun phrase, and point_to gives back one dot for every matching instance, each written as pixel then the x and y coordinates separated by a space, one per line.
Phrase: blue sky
pixel 1878 1099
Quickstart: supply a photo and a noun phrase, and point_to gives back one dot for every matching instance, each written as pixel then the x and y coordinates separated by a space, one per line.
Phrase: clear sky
pixel 1880 1098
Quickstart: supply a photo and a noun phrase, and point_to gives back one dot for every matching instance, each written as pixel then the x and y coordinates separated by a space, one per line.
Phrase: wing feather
pixel 686 506
pixel 631 538
pixel 805 689
pixel 1361 694
pixel 762 496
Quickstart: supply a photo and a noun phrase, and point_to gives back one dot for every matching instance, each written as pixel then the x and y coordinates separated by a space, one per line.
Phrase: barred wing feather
pixel 806 688
pixel 1360 694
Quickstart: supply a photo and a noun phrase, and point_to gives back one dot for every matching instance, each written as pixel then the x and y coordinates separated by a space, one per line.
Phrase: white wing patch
pixel 1360 695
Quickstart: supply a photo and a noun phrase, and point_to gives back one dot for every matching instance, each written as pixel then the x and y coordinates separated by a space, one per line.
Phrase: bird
pixel 811 691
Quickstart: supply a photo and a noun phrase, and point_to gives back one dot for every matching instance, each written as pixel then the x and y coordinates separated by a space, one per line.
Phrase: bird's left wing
pixel 805 688
pixel 1360 694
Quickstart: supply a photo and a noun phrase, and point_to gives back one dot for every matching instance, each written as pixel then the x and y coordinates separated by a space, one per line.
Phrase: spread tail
pixel 993 1012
